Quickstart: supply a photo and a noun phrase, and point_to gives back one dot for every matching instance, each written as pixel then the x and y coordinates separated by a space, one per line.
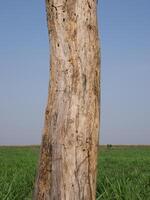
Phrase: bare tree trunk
pixel 67 168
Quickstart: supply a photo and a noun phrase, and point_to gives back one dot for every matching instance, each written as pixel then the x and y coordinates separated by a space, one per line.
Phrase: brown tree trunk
pixel 67 168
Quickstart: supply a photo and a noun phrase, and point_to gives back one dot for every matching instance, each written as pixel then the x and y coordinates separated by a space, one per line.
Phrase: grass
pixel 123 173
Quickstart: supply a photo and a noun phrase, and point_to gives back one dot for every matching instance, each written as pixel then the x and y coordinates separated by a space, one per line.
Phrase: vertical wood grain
pixel 67 166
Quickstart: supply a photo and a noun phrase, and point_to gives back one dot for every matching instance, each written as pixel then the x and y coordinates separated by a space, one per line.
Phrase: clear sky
pixel 24 71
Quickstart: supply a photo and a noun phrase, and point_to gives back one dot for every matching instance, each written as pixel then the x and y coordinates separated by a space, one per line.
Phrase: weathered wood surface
pixel 67 167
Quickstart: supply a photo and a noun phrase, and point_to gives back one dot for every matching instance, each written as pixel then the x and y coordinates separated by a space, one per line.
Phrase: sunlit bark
pixel 67 167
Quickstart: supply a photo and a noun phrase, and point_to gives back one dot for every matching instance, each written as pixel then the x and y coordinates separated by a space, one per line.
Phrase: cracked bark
pixel 67 165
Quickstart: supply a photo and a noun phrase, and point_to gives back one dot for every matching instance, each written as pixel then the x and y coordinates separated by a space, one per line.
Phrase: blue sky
pixel 24 71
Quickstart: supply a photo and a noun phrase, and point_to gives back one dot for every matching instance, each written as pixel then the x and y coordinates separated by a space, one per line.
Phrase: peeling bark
pixel 67 166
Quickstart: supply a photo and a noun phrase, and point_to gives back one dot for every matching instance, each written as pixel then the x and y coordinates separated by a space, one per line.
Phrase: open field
pixel 123 173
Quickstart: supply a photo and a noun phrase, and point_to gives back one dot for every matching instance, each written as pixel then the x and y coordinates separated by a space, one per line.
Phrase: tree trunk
pixel 67 168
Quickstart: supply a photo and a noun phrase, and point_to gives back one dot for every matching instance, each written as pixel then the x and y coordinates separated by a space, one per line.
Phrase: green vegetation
pixel 124 173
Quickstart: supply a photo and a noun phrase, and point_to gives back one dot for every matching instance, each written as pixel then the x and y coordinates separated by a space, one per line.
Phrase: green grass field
pixel 123 173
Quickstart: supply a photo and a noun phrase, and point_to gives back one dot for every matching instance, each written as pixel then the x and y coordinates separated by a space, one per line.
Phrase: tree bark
pixel 67 166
